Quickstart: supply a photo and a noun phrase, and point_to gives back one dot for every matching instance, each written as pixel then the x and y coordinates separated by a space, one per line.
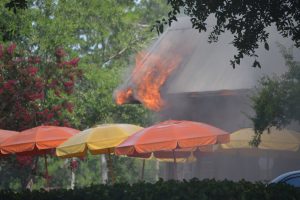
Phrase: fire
pixel 123 96
pixel 147 78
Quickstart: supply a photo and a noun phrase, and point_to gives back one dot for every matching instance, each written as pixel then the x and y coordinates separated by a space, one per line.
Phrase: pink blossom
pixel 37 60
pixel 32 70
pixel 19 60
pixel 39 113
pixel 69 106
pixel 13 82
pixel 9 85
pixel 11 49
pixel 39 84
pixel 69 84
pixel 50 116
pixel 53 83
pixel 74 61
pixel 56 108
pixel 55 123
pixel 40 96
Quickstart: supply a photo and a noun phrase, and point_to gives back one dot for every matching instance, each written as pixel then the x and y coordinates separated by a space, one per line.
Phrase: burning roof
pixel 182 60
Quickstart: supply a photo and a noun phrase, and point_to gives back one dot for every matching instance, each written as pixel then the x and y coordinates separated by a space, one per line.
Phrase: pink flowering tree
pixel 35 91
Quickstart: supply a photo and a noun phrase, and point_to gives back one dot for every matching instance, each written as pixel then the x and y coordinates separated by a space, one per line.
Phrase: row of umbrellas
pixel 122 139
pixel 166 140
pixel 161 140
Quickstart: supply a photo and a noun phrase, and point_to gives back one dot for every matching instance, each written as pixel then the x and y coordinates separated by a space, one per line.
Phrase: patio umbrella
pixel 281 140
pixel 273 147
pixel 4 134
pixel 36 141
pixel 101 139
pixel 170 136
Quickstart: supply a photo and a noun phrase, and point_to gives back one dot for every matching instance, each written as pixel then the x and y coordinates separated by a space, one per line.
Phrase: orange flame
pixel 153 69
pixel 146 81
pixel 123 96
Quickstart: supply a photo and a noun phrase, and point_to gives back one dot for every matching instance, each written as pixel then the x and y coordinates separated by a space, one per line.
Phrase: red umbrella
pixel 170 136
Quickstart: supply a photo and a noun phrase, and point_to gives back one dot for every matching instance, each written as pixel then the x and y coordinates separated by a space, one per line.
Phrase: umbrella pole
pixel 104 169
pixel 143 170
pixel 73 176
pixel 175 166
pixel 111 173
pixel 46 171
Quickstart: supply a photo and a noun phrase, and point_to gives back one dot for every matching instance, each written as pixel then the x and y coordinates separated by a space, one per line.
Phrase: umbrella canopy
pixel 4 134
pixel 170 136
pixel 101 139
pixel 37 139
pixel 283 140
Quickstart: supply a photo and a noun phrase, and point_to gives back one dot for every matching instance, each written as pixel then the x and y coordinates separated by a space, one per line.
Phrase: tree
pixel 100 32
pixel 104 34
pixel 246 20
pixel 33 91
pixel 277 101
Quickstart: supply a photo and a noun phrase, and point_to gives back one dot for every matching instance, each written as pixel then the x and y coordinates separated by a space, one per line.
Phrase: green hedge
pixel 192 190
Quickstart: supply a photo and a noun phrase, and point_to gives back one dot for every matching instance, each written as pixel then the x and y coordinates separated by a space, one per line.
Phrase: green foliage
pixel 246 20
pixel 277 101
pixel 13 27
pixel 105 35
pixel 95 104
pixel 16 5
pixel 193 189
pixel 9 170
pixel 102 32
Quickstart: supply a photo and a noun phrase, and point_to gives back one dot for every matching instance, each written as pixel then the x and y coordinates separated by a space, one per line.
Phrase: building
pixel 206 88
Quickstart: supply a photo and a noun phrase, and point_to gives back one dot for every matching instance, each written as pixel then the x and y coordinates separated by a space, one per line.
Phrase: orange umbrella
pixel 38 140
pixel 4 134
pixel 171 136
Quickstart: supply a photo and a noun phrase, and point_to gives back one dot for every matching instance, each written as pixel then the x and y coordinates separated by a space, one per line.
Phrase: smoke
pixel 153 68
pixel 198 66
pixel 204 87
pixel 207 68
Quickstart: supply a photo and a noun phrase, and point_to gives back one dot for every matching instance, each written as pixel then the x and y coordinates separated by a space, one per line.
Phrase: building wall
pixel 229 112
pixel 226 111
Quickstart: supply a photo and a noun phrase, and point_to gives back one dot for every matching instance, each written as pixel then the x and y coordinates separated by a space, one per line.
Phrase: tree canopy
pixel 248 21
pixel 34 91
pixel 277 101
pixel 104 35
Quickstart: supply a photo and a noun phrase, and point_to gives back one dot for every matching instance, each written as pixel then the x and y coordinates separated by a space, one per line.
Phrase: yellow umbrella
pixel 284 140
pixel 271 145
pixel 101 139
